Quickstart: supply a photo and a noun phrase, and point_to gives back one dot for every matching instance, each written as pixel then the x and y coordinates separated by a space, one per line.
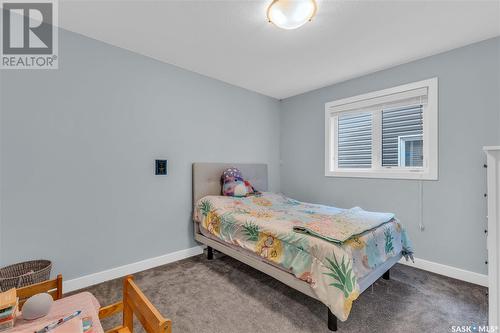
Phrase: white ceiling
pixel 232 41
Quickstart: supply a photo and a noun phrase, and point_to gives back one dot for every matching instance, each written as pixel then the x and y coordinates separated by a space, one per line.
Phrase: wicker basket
pixel 24 274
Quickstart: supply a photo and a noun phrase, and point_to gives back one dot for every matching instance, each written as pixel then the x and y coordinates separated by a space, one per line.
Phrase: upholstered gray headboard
pixel 206 177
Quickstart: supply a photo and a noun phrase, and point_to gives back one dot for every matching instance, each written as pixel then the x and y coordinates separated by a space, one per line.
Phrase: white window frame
pixel 429 171
pixel 402 144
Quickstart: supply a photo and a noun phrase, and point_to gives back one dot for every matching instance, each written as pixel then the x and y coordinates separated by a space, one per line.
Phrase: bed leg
pixel 210 253
pixel 332 321
pixel 387 275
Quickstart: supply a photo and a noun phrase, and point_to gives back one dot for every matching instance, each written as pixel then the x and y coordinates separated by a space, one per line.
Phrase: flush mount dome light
pixel 291 14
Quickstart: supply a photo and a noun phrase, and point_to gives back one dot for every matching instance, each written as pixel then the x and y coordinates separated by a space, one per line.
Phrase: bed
pixel 258 231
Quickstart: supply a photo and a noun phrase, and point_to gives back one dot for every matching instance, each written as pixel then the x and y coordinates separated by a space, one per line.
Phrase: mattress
pixel 264 225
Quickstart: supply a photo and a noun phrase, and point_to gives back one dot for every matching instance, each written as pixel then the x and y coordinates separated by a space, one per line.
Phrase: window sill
pixel 383 174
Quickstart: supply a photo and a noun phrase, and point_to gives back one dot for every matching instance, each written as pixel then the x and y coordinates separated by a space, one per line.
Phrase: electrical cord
pixel 421 193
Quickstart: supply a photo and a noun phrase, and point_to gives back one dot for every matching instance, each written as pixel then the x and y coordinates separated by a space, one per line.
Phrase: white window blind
pixel 403 98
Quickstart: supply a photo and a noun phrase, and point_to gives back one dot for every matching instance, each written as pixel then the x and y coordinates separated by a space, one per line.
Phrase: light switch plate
pixel 161 167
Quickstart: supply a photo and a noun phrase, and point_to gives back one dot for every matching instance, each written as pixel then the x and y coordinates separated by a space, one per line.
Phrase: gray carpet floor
pixel 226 296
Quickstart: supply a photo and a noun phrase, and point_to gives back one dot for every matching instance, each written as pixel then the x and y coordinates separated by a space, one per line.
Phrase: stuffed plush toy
pixel 234 185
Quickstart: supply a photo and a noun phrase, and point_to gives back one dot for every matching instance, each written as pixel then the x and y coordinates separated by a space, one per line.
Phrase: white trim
pixel 450 271
pixel 376 140
pixel 386 173
pixel 402 139
pixel 429 171
pixel 493 240
pixel 116 272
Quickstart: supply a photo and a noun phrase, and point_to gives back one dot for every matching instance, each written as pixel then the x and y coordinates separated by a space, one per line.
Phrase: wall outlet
pixel 161 167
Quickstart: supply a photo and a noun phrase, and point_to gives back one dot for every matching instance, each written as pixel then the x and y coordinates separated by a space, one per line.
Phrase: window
pixel 410 151
pixel 390 133
pixel 355 140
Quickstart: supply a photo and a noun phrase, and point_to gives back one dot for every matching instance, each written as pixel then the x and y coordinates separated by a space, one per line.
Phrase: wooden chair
pixel 53 287
pixel 134 302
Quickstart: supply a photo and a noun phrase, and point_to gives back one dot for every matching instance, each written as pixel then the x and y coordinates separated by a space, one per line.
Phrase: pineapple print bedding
pixel 265 224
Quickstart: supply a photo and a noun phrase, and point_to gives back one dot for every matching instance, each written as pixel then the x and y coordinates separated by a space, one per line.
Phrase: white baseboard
pixel 453 272
pixel 113 273
pixel 117 272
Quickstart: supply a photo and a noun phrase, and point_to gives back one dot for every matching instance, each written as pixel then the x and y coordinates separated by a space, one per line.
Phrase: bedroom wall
pixel 454 209
pixel 78 146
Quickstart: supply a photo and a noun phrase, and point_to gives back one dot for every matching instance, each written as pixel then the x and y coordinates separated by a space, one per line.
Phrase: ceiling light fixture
pixel 291 14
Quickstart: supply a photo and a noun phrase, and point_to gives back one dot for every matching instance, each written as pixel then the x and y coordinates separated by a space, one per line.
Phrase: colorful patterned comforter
pixel 340 227
pixel 264 225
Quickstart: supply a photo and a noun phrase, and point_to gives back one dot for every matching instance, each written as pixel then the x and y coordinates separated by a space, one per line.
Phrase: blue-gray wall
pixel 454 209
pixel 78 144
